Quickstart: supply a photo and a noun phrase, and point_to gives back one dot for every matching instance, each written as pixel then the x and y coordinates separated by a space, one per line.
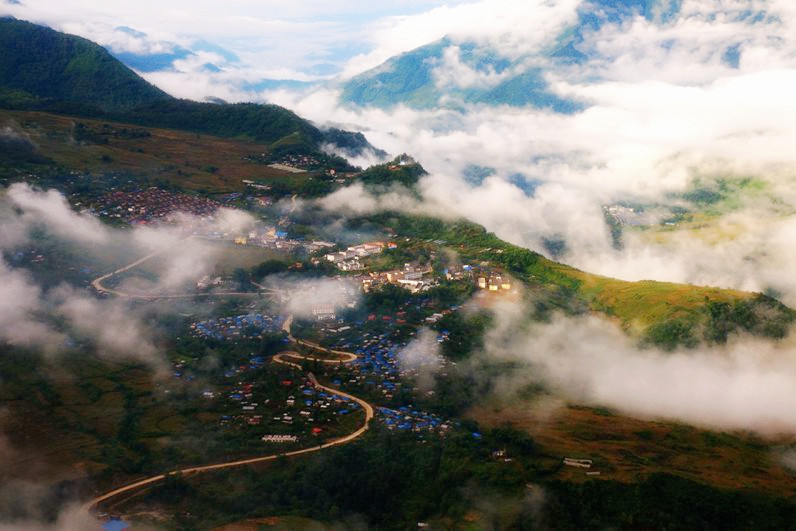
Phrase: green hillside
pixel 45 70
pixel 665 314
pixel 42 67
pixel 411 79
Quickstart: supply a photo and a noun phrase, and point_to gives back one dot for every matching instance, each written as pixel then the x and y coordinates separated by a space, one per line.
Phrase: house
pixel 324 313
pixel 578 463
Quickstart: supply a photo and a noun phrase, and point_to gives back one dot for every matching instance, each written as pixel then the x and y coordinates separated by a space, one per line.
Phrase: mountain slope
pixel 45 70
pixel 416 79
pixel 43 66
pixel 452 72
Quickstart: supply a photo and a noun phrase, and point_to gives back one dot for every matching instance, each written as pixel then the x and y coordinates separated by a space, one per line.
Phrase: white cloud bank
pixel 748 384
pixel 663 106
pixel 51 319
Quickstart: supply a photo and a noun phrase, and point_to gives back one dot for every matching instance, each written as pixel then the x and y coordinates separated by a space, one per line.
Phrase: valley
pixel 224 315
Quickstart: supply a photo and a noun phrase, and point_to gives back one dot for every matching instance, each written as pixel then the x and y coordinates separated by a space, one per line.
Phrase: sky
pixel 273 38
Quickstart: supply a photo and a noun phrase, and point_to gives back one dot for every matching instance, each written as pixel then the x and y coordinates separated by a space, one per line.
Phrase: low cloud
pixel 31 506
pixel 422 357
pixel 306 298
pixel 113 327
pixel 664 107
pixel 21 312
pixel 51 210
pixel 748 384
pixel 56 318
pixel 788 459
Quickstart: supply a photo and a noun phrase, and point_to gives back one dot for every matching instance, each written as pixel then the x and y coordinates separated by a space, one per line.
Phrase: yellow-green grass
pixel 638 305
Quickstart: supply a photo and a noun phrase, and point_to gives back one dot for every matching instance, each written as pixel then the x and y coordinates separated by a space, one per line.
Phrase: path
pixel 347 357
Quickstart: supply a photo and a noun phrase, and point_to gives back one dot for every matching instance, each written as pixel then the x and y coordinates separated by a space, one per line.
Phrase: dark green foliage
pixel 242 280
pixel 662 502
pixel 671 334
pixel 265 123
pixel 269 267
pixel 466 333
pixel 387 299
pixel 703 196
pixel 389 480
pixel 40 66
pixel 385 175
pixel 762 316
pixel 349 142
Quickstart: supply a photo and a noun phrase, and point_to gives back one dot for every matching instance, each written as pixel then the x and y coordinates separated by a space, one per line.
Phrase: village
pixel 151 205
pixel 291 411
pixel 252 325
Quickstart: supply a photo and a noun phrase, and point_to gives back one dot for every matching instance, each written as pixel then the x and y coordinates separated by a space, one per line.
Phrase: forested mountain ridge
pixel 45 70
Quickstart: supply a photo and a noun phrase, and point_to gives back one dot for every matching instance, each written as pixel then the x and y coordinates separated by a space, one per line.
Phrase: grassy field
pixel 638 305
pixel 188 160
pixel 627 449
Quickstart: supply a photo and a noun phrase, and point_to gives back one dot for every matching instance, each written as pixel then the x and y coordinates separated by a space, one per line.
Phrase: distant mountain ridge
pixel 45 70
pixel 416 78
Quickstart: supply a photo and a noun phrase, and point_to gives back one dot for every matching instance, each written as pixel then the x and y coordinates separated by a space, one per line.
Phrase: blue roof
pixel 114 524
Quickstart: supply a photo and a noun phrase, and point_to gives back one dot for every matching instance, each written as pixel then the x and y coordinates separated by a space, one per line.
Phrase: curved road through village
pixel 284 358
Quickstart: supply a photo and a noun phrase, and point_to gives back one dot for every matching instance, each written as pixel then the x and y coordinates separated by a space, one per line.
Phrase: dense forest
pixel 390 481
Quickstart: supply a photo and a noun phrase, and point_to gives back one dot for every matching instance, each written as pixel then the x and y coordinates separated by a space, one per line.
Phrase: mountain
pixel 414 79
pixel 167 53
pixel 40 66
pixel 432 75
pixel 45 70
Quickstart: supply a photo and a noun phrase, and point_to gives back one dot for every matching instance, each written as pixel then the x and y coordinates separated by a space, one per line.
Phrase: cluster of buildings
pixel 279 439
pixel 484 278
pixel 378 368
pixel 299 161
pixel 242 326
pixel 151 205
pixel 630 216
pixel 272 237
pixel 405 418
pixel 494 282
pixel 305 409
pixel 349 260
pixel 208 282
pixel 415 278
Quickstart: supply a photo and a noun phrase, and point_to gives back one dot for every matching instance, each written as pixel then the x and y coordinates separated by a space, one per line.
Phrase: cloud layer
pixel 748 384
pixel 704 96
pixel 57 317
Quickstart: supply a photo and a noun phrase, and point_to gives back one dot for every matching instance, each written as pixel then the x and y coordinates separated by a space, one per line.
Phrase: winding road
pixel 98 285
pixel 288 358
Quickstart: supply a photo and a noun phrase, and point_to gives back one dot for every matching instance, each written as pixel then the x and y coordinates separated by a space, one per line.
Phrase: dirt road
pixel 346 357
